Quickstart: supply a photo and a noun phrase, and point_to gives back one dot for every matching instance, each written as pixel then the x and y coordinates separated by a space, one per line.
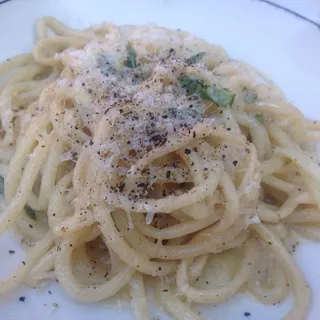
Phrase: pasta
pixel 134 155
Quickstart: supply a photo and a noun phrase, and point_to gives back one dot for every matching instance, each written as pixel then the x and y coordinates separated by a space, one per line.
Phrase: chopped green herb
pixel 131 61
pixel 250 96
pixel 1 185
pixel 30 212
pixel 259 118
pixel 222 97
pixel 195 58
pixel 191 85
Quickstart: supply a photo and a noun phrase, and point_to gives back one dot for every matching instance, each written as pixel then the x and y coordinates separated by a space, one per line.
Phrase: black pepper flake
pixel 247 314
pixel 168 174
pixel 23 262
pixel 194 134
pixel 49 292
pixel 143 186
pixel 195 149
pixel 22 299
pixel 89 91
pixel 30 226
pixel 159 139
pixel 187 151
pixel 121 186
pixel 235 162
pixel 11 251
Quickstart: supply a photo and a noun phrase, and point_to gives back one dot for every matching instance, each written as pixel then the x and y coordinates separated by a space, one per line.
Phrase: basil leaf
pixel 131 61
pixel 250 96
pixel 259 118
pixel 30 212
pixel 195 58
pixel 1 185
pixel 222 97
pixel 191 85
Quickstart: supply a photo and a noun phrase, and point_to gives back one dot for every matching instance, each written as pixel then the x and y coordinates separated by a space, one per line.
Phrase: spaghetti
pixel 138 154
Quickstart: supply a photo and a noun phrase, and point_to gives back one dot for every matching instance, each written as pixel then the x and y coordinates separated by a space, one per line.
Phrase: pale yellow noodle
pixel 174 231
pixel 10 215
pixel 221 293
pixel 139 298
pixel 128 173
pixel 296 279
pixel 83 292
pixel 175 307
pixel 115 242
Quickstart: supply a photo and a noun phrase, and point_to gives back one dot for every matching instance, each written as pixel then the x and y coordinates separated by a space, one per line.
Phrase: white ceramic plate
pixel 278 43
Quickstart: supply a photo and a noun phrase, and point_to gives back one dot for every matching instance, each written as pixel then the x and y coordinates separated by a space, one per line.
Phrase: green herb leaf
pixel 250 96
pixel 195 58
pixel 222 97
pixel 259 118
pixel 191 85
pixel 30 212
pixel 1 185
pixel 131 61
